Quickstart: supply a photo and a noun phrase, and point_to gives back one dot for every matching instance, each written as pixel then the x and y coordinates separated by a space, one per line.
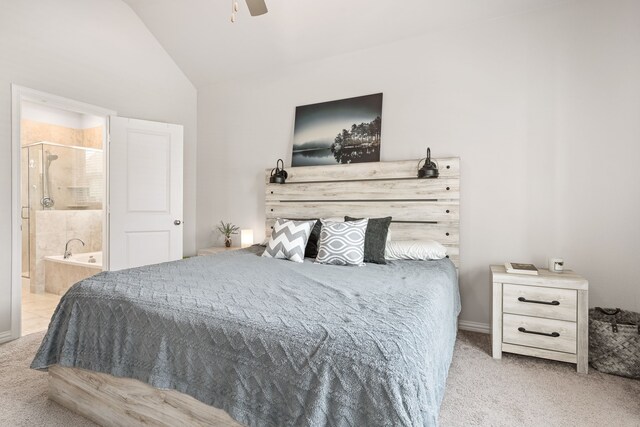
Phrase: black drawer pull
pixel 552 334
pixel 523 299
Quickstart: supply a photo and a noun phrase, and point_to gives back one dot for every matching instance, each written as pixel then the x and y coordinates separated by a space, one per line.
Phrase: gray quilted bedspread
pixel 272 342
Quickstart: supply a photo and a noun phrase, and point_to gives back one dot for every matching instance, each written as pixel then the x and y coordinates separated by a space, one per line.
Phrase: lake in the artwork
pixel 321 156
pixel 325 156
pixel 338 132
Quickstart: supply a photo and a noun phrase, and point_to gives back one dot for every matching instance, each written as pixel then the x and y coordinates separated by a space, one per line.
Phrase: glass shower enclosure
pixel 56 176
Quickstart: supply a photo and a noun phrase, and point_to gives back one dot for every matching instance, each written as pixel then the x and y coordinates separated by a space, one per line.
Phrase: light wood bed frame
pixel 421 209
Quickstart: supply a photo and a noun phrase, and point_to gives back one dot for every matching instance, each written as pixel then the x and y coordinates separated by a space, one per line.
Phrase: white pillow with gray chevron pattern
pixel 342 243
pixel 288 240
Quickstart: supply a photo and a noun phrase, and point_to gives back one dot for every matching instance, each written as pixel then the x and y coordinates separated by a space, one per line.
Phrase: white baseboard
pixel 5 336
pixel 467 325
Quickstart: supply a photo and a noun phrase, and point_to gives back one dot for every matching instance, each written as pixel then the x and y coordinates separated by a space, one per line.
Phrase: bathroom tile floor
pixel 37 309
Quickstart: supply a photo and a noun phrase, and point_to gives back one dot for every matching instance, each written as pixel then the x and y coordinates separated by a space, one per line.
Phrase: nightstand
pixel 542 316
pixel 216 250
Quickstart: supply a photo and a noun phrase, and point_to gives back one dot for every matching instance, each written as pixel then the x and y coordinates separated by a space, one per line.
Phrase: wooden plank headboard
pixel 421 208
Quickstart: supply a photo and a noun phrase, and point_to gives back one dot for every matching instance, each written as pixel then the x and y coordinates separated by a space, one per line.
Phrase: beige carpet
pixel 516 391
pixel 525 391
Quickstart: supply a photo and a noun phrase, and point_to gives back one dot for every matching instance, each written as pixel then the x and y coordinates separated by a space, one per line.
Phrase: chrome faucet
pixel 67 252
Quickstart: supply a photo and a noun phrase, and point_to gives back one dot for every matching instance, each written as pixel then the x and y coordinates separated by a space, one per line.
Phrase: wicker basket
pixel 614 341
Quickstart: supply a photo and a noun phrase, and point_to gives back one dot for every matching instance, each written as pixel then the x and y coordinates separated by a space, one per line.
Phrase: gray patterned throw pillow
pixel 342 243
pixel 288 240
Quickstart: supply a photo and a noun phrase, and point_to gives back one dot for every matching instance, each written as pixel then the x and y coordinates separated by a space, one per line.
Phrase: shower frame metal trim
pixel 56 144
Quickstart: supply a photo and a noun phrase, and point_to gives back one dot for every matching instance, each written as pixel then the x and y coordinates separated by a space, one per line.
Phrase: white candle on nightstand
pixel 246 238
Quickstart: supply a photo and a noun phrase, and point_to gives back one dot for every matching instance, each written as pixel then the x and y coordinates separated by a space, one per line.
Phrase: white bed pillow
pixel 414 250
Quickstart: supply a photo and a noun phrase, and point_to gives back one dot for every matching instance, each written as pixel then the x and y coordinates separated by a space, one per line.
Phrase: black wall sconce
pixel 278 174
pixel 429 169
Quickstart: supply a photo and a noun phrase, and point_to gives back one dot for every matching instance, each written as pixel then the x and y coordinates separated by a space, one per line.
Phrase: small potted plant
pixel 227 230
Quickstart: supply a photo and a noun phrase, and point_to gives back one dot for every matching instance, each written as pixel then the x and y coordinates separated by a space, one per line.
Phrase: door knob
pixel 177 222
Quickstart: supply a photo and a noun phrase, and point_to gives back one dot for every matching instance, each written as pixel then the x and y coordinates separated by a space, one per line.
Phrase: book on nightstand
pixel 520 268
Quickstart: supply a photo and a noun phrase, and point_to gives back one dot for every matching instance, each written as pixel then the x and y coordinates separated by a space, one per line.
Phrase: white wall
pixel 53 116
pixel 542 108
pixel 98 52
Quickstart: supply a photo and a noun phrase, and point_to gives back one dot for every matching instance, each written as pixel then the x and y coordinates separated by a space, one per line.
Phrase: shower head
pixel 51 157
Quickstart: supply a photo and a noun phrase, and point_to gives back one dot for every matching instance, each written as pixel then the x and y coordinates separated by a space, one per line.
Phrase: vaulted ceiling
pixel 204 43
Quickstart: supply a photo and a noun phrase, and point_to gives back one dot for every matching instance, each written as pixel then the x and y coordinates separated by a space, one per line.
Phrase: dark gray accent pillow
pixel 375 239
pixel 311 251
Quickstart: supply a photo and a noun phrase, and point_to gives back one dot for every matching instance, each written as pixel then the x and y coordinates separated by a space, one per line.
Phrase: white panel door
pixel 145 193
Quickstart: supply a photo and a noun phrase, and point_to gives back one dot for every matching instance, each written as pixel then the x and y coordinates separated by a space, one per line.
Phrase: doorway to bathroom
pixel 66 223
pixel 62 200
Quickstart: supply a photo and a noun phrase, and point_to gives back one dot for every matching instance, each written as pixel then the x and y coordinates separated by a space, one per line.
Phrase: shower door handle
pixel 22 212
pixel 177 222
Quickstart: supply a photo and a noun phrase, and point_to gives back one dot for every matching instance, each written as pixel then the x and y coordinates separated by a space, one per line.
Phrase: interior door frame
pixel 20 94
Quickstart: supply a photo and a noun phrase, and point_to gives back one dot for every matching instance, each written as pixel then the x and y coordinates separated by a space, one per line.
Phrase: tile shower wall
pixel 32 131
pixel 76 178
pixel 51 230
pixel 73 174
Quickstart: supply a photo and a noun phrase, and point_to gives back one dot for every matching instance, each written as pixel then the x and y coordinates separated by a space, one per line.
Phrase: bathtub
pixel 60 274
pixel 81 260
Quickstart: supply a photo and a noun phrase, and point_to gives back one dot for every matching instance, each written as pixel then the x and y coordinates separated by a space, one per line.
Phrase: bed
pixel 237 338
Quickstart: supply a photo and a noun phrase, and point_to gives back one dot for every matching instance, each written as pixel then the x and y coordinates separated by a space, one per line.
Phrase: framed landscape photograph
pixel 338 132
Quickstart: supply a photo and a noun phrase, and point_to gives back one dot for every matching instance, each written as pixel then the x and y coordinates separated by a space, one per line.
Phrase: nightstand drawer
pixel 550 303
pixel 549 334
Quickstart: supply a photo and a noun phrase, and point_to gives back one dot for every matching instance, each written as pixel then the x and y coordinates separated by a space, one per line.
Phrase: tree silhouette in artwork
pixel 359 143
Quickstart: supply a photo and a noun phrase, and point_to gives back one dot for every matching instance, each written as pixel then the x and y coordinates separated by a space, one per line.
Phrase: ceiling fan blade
pixel 256 7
